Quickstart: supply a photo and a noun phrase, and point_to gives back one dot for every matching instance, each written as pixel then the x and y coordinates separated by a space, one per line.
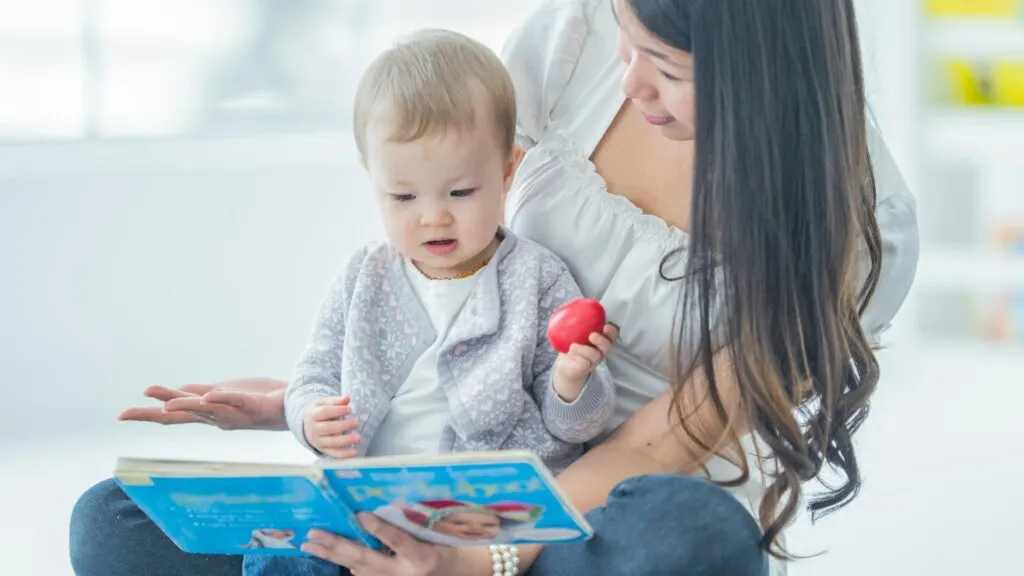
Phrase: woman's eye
pixel 668 76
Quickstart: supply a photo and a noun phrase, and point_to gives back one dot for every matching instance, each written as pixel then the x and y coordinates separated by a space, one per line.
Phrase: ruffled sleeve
pixel 541 55
pixel 896 211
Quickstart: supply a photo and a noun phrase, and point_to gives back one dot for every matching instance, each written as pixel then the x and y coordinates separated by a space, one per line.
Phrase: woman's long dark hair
pixel 783 211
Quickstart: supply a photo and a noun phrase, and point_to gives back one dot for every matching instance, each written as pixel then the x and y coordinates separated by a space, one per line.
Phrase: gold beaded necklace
pixel 462 275
pixel 459 275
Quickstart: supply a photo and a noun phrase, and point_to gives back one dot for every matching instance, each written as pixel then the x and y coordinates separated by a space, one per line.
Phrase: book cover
pixel 468 499
pixel 225 508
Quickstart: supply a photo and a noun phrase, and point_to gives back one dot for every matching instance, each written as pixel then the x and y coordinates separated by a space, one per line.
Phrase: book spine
pixel 344 507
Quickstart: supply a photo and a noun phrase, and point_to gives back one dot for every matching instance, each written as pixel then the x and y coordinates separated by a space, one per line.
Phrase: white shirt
pixel 567 76
pixel 419 411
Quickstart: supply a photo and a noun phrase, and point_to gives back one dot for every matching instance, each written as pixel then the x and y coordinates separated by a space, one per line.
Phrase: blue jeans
pixel 651 525
pixel 289 566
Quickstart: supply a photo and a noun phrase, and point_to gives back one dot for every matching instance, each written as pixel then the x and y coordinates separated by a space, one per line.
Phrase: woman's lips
pixel 659 120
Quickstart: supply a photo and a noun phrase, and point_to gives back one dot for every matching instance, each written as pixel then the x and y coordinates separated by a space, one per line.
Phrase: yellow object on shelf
pixel 983 83
pixel 1008 82
pixel 980 8
pixel 967 83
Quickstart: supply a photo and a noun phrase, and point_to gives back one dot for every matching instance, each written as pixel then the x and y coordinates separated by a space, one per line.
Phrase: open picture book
pixel 465 499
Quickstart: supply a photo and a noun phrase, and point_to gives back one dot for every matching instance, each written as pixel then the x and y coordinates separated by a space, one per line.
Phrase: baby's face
pixel 469 525
pixel 441 197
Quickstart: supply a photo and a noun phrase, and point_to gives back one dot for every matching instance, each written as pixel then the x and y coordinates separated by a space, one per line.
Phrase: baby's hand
pixel 573 368
pixel 328 428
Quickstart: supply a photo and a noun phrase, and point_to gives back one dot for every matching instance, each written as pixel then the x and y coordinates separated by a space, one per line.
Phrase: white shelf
pixel 954 355
pixel 983 134
pixel 975 38
pixel 971 270
pixel 185 154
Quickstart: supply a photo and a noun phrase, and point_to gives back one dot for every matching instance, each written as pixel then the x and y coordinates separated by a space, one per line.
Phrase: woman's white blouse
pixel 567 75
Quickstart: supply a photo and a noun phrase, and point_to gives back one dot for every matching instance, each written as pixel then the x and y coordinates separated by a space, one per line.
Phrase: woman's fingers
pixel 355 557
pixel 220 415
pixel 158 416
pixel 197 405
pixel 244 403
pixel 410 556
pixel 163 393
pixel 253 385
pixel 197 389
pixel 231 398
pixel 394 538
pixel 421 557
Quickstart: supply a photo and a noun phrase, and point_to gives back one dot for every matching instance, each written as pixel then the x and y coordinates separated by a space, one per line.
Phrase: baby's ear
pixel 511 165
pixel 517 157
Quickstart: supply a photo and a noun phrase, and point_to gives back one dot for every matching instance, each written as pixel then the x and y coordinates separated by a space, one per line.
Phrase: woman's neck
pixel 651 171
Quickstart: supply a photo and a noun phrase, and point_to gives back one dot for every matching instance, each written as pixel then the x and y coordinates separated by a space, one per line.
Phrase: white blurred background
pixel 178 185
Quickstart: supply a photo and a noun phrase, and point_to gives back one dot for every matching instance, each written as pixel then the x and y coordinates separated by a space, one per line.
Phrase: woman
pixel 761 258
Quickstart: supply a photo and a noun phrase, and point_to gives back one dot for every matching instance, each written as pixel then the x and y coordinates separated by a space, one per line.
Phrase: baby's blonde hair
pixel 432 81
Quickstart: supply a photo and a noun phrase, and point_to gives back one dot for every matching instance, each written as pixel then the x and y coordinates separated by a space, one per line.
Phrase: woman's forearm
pixel 478 562
pixel 648 442
pixel 586 483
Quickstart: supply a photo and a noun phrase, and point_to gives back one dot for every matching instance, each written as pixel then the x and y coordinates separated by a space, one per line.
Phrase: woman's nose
pixel 636 83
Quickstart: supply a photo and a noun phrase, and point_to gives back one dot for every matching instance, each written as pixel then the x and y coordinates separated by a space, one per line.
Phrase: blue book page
pixel 239 515
pixel 464 504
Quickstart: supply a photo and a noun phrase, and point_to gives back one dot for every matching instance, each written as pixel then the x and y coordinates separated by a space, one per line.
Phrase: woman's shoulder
pixel 542 54
pixel 889 181
pixel 548 34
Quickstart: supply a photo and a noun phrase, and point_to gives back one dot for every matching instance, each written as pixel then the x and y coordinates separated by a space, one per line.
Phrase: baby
pixel 435 341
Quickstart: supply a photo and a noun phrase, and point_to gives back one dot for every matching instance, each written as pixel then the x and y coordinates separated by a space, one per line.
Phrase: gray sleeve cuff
pixel 296 404
pixel 585 417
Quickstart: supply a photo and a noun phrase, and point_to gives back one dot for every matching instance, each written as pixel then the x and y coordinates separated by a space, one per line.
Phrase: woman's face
pixel 659 78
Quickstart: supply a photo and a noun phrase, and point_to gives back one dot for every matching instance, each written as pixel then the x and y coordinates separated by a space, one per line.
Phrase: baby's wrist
pixel 309 430
pixel 568 388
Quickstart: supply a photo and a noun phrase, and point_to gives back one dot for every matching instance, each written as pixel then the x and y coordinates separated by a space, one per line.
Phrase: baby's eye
pixel 402 197
pixel 463 192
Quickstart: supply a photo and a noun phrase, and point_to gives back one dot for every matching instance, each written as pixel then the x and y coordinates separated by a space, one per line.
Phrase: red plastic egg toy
pixel 574 322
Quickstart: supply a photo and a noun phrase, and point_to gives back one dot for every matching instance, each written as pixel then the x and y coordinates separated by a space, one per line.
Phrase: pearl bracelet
pixel 506 559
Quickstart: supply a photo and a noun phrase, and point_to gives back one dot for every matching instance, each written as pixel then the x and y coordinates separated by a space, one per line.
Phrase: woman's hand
pixel 411 557
pixel 243 403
